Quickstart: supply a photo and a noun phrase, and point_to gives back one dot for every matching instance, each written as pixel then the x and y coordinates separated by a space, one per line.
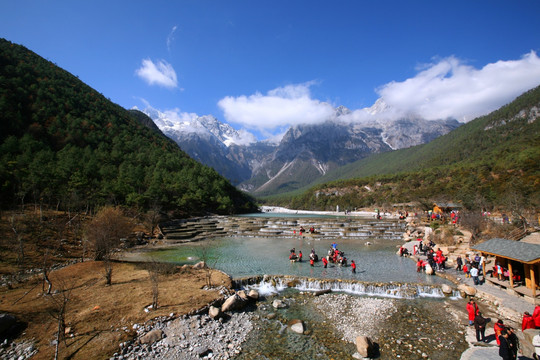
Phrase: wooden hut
pixel 442 208
pixel 520 260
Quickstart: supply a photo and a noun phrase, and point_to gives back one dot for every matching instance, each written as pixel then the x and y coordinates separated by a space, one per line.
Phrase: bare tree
pixel 59 301
pixel 517 203
pixel 46 273
pixel 153 216
pixel 18 228
pixel 473 221
pixel 155 271
pixel 210 260
pixel 105 232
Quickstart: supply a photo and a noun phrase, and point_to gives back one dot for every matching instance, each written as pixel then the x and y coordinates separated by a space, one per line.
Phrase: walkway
pixel 509 307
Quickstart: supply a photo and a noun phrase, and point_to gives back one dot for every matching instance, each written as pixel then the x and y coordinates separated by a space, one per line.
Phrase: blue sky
pixel 264 65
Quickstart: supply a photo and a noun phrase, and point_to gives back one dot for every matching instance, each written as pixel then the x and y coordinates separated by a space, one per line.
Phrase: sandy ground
pixel 99 317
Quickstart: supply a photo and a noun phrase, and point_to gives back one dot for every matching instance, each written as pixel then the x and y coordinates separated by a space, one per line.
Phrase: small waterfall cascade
pixel 268 285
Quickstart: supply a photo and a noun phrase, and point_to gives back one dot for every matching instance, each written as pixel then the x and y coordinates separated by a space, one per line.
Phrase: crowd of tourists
pixel 505 335
pixel 334 256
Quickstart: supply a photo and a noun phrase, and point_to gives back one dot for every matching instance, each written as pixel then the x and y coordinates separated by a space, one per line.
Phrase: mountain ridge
pixel 493 160
pixel 64 145
pixel 305 152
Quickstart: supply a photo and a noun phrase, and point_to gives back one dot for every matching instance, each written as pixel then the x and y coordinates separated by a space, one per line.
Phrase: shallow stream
pixel 242 256
pixel 420 327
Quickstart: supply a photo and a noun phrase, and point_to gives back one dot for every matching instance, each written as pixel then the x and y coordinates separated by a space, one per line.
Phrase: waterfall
pixel 269 285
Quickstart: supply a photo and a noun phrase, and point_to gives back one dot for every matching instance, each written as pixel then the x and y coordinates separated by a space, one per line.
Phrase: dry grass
pixel 97 313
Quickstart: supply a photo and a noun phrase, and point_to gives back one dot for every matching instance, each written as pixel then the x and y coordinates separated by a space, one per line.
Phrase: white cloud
pixel 160 73
pixel 288 105
pixel 170 37
pixel 451 89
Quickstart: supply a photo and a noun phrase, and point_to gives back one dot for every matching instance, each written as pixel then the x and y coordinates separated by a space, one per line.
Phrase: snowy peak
pixel 378 108
pixel 177 125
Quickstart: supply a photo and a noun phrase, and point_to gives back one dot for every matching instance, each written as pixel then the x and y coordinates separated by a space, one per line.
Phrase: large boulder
pixel 297 326
pixel 446 289
pixel 233 302
pixel 467 290
pixel 253 294
pixel 214 312
pixel 429 269
pixel 243 295
pixel 151 336
pixel 365 346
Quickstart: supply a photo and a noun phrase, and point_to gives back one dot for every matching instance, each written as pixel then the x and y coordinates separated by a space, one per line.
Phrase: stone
pixel 202 351
pixel 214 312
pixel 468 290
pixel 293 283
pixel 151 337
pixel 233 302
pixel 278 304
pixel 253 294
pixel 242 294
pixel 322 292
pixel 296 326
pixel 199 265
pixel 365 346
pixel 271 316
pixel 446 289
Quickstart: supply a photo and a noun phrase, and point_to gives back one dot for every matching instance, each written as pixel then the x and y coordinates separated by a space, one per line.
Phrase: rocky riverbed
pixel 407 329
pixel 190 337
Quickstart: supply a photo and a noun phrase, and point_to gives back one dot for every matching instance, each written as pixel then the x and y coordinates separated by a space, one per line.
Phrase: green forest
pixel 65 146
pixel 492 161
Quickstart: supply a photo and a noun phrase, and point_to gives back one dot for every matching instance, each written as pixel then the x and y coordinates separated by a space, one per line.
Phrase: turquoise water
pixel 243 256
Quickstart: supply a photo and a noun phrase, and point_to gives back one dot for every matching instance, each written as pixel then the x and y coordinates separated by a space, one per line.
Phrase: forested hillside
pixel 491 161
pixel 64 145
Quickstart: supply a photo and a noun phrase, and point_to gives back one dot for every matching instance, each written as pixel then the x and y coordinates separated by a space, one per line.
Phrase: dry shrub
pixel 444 235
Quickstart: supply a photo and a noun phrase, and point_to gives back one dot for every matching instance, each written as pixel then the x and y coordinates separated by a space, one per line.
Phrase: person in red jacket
pixel 472 309
pixel 498 327
pixel 353 265
pixel 325 262
pixel 536 316
pixel 527 322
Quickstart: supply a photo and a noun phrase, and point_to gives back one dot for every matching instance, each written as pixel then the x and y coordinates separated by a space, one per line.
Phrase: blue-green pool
pixel 249 256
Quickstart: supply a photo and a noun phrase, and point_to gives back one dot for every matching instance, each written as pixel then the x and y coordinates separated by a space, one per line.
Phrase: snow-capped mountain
pixel 206 126
pixel 305 152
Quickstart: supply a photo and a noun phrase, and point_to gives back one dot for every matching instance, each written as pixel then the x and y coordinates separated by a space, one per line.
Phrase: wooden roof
pixel 509 249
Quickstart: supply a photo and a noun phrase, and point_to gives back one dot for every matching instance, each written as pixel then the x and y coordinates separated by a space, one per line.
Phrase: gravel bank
pixel 191 337
pixel 353 316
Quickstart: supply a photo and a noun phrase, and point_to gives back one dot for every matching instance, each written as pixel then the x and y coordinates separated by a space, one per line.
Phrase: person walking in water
pixel 353 265
pixel 325 262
